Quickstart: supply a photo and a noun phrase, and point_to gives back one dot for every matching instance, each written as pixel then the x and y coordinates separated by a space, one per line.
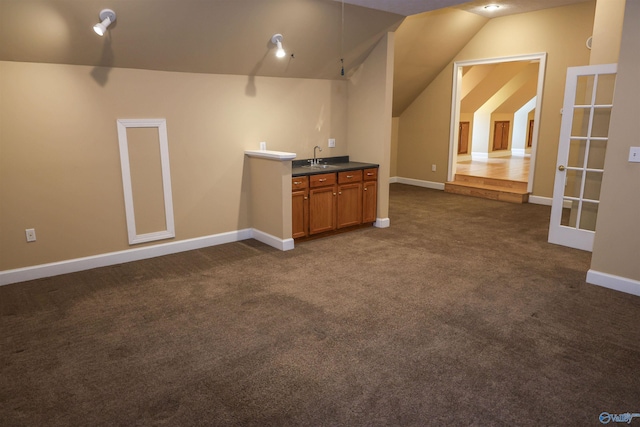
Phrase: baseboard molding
pixel 393 180
pixel 103 260
pixel 518 152
pixel 382 223
pixel 617 283
pixel 420 183
pixel 479 156
pixel 539 200
pixel 273 241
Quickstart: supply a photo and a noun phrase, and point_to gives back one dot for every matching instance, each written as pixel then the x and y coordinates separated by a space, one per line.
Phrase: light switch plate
pixel 332 142
pixel 634 154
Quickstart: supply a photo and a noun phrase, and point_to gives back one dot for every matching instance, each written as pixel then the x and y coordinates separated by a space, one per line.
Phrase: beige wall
pixel 607 32
pixel 393 166
pixel 370 103
pixel 270 191
pixel 560 32
pixel 59 156
pixel 616 249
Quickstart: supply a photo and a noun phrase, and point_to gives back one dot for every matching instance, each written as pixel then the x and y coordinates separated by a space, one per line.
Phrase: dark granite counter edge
pixel 341 164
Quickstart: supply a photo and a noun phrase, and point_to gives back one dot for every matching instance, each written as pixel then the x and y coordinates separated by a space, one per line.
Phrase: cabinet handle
pixel 305 197
pixel 322 179
pixel 365 188
pixel 369 173
pixel 349 176
pixel 297 182
pixel 340 193
pixel 334 194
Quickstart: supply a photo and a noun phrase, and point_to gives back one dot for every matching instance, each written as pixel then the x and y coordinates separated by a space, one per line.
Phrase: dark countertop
pixel 338 164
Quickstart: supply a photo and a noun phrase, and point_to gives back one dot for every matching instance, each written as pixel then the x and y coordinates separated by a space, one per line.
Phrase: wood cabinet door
pixel 300 213
pixel 322 209
pixel 463 138
pixel 349 204
pixel 501 135
pixel 530 134
pixel 369 201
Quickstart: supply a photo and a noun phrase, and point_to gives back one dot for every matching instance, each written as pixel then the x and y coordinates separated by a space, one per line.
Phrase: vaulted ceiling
pixel 233 36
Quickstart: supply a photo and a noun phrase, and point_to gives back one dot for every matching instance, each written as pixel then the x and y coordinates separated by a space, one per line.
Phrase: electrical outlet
pixel 332 142
pixel 433 168
pixel 634 154
pixel 31 234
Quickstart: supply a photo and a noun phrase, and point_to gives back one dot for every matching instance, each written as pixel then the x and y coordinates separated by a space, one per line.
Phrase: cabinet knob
pixel 297 182
pixel 334 194
pixel 340 193
pixel 305 197
pixel 322 179
pixel 365 188
pixel 369 173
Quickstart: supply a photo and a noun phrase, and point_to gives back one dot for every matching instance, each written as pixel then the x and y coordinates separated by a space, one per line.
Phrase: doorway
pixel 493 107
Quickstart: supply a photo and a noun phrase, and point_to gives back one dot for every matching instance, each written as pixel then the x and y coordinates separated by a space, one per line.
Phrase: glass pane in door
pixel 592 185
pixel 606 86
pixel 577 150
pixel 588 216
pixel 573 183
pixel 584 90
pixel 597 149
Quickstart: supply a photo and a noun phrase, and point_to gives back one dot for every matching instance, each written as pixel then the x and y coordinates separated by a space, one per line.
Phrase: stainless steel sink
pixel 320 166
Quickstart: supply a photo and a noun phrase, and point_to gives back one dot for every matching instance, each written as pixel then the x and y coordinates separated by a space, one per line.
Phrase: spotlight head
pixel 277 40
pixel 107 16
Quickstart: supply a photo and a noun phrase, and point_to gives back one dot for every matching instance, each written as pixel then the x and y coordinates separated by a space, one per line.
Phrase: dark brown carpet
pixel 459 314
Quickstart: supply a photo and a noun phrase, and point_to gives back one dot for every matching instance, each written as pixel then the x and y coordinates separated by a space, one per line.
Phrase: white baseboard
pixel 393 180
pixel 539 200
pixel 518 152
pixel 479 155
pixel 382 223
pixel 617 283
pixel 86 263
pixel 419 183
pixel 273 241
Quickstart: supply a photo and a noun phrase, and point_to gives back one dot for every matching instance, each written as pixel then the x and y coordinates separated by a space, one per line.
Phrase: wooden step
pixel 487 191
pixel 506 183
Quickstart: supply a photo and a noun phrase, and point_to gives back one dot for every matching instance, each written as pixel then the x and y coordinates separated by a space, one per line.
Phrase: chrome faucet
pixel 315 160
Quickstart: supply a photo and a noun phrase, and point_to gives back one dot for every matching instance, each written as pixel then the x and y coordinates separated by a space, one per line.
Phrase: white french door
pixel 584 133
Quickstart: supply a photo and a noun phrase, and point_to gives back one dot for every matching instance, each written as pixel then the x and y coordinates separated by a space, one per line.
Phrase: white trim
pixel 161 125
pixel 273 241
pixel 420 183
pixel 382 223
pixel 479 155
pixel 618 283
pixel 518 152
pixel 270 155
pixel 393 180
pixel 136 254
pixel 539 200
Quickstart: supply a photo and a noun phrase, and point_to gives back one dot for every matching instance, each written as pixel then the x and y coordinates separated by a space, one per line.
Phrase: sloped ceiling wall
pixel 213 36
pixel 425 44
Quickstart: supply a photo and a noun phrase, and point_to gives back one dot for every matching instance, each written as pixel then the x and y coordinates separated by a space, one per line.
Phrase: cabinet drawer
pixel 349 176
pixel 299 182
pixel 322 180
pixel 371 174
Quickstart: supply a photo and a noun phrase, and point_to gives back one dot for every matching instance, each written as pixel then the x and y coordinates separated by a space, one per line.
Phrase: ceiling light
pixel 107 16
pixel 277 40
pixel 492 7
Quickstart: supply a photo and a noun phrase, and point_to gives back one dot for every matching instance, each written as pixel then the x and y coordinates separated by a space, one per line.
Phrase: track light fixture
pixel 277 40
pixel 107 16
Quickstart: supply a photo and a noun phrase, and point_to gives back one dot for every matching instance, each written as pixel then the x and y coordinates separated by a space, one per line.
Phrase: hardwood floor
pixel 511 168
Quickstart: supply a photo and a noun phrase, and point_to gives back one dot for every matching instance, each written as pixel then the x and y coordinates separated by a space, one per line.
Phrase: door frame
pixel 455 106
